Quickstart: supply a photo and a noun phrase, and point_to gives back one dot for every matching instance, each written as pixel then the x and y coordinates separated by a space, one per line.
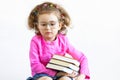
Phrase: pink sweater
pixel 41 52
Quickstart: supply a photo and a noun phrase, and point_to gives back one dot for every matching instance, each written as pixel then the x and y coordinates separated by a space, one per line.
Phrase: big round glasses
pixel 51 25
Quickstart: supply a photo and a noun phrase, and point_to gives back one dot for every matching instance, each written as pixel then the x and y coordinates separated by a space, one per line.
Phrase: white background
pixel 96 32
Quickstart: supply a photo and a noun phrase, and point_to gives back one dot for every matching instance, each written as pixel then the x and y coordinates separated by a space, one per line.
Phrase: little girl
pixel 50 22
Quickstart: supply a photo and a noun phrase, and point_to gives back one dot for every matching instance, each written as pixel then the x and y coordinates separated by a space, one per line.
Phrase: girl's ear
pixel 60 25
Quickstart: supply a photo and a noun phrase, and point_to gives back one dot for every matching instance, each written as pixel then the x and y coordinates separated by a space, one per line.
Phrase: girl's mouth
pixel 48 32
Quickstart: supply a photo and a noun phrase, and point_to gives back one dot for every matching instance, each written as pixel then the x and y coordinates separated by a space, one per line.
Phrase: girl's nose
pixel 48 27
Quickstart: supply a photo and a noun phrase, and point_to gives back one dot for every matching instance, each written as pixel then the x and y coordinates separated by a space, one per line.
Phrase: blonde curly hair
pixel 49 7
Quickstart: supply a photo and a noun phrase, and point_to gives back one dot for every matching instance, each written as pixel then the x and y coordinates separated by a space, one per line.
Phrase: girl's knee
pixel 65 78
pixel 45 78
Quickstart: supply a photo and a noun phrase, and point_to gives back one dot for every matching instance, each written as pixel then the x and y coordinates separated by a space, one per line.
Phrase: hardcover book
pixel 63 63
pixel 67 59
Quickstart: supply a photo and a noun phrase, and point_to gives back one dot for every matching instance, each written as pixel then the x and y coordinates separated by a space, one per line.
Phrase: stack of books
pixel 63 63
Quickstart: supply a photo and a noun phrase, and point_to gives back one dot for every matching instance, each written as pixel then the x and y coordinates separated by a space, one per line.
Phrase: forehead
pixel 47 17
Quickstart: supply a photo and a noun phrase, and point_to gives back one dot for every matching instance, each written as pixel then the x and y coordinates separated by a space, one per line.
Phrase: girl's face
pixel 48 26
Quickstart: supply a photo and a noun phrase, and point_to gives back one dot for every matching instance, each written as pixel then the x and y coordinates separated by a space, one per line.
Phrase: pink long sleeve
pixel 78 55
pixel 36 65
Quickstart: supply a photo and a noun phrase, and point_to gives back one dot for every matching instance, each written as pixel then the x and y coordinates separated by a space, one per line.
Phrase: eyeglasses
pixel 51 25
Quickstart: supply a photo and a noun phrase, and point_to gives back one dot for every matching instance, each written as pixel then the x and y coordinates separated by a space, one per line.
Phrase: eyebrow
pixel 47 22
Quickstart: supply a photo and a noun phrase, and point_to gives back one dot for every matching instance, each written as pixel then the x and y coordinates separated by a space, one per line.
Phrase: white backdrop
pixel 96 32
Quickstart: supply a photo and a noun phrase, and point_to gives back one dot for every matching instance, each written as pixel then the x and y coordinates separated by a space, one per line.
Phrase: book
pixel 60 68
pixel 65 64
pixel 67 59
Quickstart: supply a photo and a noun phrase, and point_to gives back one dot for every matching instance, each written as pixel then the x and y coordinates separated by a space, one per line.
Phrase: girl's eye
pixel 43 24
pixel 52 24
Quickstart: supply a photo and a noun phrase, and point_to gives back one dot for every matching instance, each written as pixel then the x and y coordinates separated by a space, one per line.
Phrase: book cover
pixel 59 68
pixel 67 59
pixel 64 64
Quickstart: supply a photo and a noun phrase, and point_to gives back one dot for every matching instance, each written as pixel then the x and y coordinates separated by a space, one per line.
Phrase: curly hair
pixel 49 7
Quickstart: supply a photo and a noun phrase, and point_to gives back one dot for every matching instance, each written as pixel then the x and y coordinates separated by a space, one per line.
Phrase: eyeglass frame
pixel 51 24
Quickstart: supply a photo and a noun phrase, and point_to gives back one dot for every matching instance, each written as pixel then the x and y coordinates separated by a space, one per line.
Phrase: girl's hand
pixel 80 77
pixel 73 74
